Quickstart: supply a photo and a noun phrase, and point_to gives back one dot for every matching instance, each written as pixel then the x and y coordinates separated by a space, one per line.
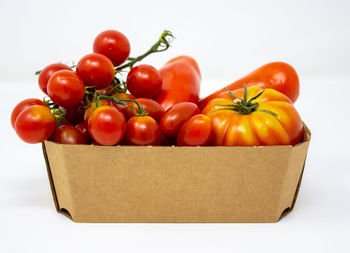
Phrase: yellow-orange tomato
pixel 266 119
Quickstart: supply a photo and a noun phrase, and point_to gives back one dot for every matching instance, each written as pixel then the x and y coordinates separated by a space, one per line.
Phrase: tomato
pixel 47 72
pixel 93 106
pixel 68 134
pixel 96 70
pixel 142 131
pixel 107 125
pixel 35 124
pixel 173 119
pixel 23 105
pixel 279 76
pixel 123 108
pixel 180 82
pixel 196 131
pixel 82 128
pixel 269 119
pixel 74 114
pixel 150 106
pixel 114 45
pixel 65 88
pixel 144 81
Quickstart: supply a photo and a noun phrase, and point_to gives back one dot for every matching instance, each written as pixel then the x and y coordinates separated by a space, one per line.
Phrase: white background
pixel 229 39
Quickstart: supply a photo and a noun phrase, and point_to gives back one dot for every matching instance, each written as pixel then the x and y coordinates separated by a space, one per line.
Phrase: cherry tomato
pixel 95 143
pixel 65 88
pixel 144 81
pixel 68 134
pixel 35 124
pixel 123 108
pixel 107 125
pixel 96 70
pixel 142 131
pixel 93 106
pixel 196 131
pixel 114 45
pixel 173 119
pixel 23 105
pixel 74 114
pixel 47 72
pixel 82 128
pixel 152 107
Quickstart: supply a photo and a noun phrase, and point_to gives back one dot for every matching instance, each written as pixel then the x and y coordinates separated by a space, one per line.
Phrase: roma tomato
pixel 107 125
pixel 153 109
pixel 254 120
pixel 35 124
pixel 173 119
pixel 47 72
pixel 279 76
pixel 96 70
pixel 114 45
pixel 142 131
pixel 23 105
pixel 68 134
pixel 196 131
pixel 144 81
pixel 82 128
pixel 65 88
pixel 180 82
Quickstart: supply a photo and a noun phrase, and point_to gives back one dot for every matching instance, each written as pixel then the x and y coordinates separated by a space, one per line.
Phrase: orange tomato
pixel 257 117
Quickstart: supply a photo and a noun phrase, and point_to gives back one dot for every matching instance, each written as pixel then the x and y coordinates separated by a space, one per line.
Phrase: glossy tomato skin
pixel 142 131
pixel 114 45
pixel 153 109
pixel 144 81
pixel 123 108
pixel 107 125
pixel 196 131
pixel 92 107
pixel 23 105
pixel 96 70
pixel 173 119
pixel 65 88
pixel 180 82
pixel 74 114
pixel 82 128
pixel 279 76
pixel 274 122
pixel 47 72
pixel 68 134
pixel 35 124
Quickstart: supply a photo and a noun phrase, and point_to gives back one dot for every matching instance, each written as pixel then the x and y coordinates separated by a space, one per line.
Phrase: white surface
pixel 311 35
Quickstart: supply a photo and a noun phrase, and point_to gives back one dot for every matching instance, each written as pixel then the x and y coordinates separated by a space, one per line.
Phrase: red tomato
pixel 173 119
pixel 114 45
pixel 23 105
pixel 152 107
pixel 82 128
pixel 142 131
pixel 196 131
pixel 144 81
pixel 35 124
pixel 68 134
pixel 74 114
pixel 93 106
pixel 65 88
pixel 107 125
pixel 47 72
pixel 96 70
pixel 120 107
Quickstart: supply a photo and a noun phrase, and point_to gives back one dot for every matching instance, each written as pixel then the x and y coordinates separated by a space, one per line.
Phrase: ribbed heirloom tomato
pixel 254 117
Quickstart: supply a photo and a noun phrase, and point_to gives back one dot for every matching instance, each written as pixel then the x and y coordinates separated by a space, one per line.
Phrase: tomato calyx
pixel 242 106
pixel 161 45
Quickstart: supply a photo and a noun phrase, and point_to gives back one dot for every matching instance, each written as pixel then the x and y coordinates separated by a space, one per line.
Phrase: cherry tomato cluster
pixel 89 103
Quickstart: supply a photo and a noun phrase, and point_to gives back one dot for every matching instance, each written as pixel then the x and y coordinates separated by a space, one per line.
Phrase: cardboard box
pixel 175 184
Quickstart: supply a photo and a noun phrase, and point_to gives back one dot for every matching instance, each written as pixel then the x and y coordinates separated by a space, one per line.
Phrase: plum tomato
pixel 114 45
pixel 173 119
pixel 47 72
pixel 107 125
pixel 144 81
pixel 142 131
pixel 23 105
pixel 82 128
pixel 65 88
pixel 196 131
pixel 68 134
pixel 96 70
pixel 35 124
pixel 149 105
